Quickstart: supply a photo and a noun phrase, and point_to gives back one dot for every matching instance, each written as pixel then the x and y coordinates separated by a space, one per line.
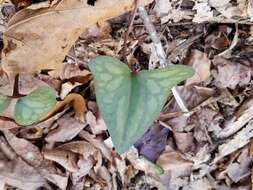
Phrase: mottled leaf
pixel 129 102
pixel 34 106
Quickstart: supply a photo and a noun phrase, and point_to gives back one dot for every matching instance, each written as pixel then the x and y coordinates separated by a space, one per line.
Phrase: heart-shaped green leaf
pixel 130 102
pixel 4 102
pixel 33 107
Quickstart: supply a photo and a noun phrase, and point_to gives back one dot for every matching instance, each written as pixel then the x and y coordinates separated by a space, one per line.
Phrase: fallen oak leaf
pixel 65 158
pixel 68 128
pixel 19 174
pixel 26 150
pixel 30 29
pixel 78 157
pixel 32 156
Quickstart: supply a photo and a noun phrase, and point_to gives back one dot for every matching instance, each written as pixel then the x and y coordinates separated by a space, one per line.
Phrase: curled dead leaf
pixel 78 103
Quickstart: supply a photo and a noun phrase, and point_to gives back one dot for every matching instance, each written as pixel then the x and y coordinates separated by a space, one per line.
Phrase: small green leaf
pixel 4 102
pixel 34 106
pixel 151 166
pixel 129 102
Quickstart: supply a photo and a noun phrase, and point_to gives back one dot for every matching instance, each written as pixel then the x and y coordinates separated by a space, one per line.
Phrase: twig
pixel 238 141
pixel 128 32
pixel 179 100
pixel 154 37
pixel 160 52
pixel 235 126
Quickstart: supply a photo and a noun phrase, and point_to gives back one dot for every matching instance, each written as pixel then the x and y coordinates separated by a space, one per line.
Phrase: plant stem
pixel 154 37
pixel 15 93
pixel 128 32
pixel 160 53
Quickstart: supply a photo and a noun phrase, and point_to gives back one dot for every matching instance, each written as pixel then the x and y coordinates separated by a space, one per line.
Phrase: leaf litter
pixel 207 148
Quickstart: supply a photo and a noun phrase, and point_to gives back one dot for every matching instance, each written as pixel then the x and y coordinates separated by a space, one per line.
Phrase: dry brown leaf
pixel 200 184
pixel 78 103
pixel 171 161
pixel 6 151
pixel 83 148
pixel 171 11
pixel 105 174
pixel 78 157
pixel 250 9
pixel 101 30
pixel 238 170
pixel 67 87
pixel 238 141
pixel 16 171
pixel 97 126
pixel 85 166
pixel 66 158
pixel 39 39
pixel 192 96
pixel 6 124
pixel 217 3
pixel 72 76
pixel 31 155
pixel 201 65
pixel 184 141
pixel 68 128
pixel 19 174
pixel 68 71
pixel 98 143
pixel 26 150
pixel 27 84
pixel 230 74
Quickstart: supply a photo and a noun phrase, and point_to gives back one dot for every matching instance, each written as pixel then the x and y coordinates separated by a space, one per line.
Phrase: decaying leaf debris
pixel 50 43
pixel 42 35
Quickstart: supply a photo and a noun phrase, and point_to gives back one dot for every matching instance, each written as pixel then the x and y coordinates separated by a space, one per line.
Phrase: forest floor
pixel 201 139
